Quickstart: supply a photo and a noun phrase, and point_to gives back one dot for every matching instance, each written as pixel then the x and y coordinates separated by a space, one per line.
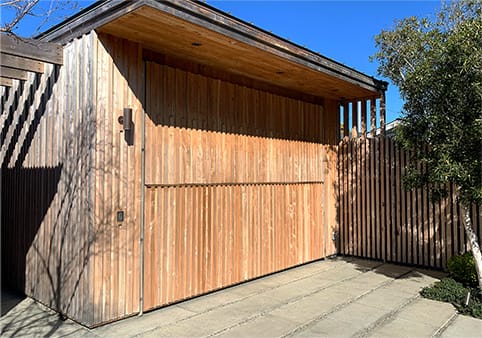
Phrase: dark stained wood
pixel 21 63
pixel 12 73
pixel 32 49
pixel 5 82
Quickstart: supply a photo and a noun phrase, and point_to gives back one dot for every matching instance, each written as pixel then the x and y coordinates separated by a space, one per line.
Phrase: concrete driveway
pixel 330 298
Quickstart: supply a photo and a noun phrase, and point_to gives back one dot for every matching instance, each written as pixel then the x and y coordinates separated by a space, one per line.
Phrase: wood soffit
pixel 200 33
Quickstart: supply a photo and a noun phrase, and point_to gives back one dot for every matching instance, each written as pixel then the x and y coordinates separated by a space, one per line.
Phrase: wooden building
pixel 177 150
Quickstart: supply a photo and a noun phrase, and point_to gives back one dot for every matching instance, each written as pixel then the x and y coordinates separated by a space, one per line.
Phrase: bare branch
pixel 42 12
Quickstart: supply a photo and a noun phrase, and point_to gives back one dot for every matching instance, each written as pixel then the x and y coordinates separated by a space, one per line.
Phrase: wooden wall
pixel 116 270
pixel 234 190
pixel 202 238
pixel 47 131
pixel 236 170
pixel 379 219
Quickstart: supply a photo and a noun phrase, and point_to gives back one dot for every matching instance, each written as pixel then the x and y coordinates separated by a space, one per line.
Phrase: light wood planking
pixel 417 231
pixel 240 250
pixel 246 203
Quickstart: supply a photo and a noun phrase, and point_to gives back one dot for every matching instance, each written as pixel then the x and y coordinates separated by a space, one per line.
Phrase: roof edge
pixel 105 11
pixel 380 84
pixel 90 18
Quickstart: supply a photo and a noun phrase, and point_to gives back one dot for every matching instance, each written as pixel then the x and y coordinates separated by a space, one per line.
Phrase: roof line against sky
pixel 105 11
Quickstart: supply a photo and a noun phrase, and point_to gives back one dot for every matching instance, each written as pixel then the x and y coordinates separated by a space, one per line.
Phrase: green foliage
pixel 437 64
pixel 447 290
pixel 462 269
pixel 450 291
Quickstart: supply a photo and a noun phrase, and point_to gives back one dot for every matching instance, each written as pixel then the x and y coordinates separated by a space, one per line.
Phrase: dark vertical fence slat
pixel 384 221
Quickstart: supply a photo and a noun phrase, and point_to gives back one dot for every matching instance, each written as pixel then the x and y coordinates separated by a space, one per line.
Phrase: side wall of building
pixel 47 134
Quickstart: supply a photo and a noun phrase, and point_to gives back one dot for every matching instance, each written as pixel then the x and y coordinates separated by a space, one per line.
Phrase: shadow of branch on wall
pixel 50 234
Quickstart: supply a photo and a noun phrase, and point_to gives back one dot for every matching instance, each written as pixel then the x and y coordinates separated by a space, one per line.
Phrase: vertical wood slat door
pixel 224 200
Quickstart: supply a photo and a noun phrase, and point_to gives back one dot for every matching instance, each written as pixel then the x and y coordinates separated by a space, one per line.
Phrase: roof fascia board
pixel 237 29
pixel 89 19
pixel 223 23
pixel 215 20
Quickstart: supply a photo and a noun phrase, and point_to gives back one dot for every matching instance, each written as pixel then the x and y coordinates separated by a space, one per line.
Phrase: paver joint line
pixel 385 319
pixel 243 298
pixel 339 307
pixel 445 325
pixel 290 301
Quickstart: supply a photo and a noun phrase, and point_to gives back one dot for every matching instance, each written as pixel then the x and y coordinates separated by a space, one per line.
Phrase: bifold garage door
pixel 234 184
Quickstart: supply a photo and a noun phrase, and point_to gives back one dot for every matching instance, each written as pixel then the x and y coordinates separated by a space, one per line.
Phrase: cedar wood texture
pixel 379 219
pixel 268 201
pixel 242 172
pixel 240 162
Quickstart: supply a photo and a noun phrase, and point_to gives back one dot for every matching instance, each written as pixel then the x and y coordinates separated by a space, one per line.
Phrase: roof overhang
pixel 200 33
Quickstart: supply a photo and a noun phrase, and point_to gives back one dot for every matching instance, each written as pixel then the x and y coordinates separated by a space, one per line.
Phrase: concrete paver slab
pixel 32 319
pixel 386 298
pixel 333 328
pixel 333 298
pixel 264 326
pixel 464 326
pixel 216 299
pixel 405 328
pixel 427 311
pixel 138 324
pixel 355 317
pixel 308 308
pixel 392 270
pixel 201 325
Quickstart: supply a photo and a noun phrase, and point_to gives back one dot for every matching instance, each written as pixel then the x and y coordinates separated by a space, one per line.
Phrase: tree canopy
pixel 437 65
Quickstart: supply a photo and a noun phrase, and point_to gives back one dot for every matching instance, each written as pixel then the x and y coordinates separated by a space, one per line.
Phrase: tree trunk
pixel 474 245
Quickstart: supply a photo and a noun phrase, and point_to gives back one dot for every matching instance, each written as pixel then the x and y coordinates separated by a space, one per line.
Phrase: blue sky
pixel 341 30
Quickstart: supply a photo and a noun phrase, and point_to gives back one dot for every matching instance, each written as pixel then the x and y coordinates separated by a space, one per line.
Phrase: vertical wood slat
pixel 245 203
pixel 382 113
pixel 373 117
pixel 399 226
pixel 47 171
pixel 241 246
pixel 196 160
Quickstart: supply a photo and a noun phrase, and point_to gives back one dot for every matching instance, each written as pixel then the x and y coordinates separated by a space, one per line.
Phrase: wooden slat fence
pixel 379 219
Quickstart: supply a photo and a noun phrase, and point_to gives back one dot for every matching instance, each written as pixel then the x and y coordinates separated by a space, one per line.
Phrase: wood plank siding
pixel 232 168
pixel 47 126
pixel 234 184
pixel 400 226
pixel 116 271
pixel 237 181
